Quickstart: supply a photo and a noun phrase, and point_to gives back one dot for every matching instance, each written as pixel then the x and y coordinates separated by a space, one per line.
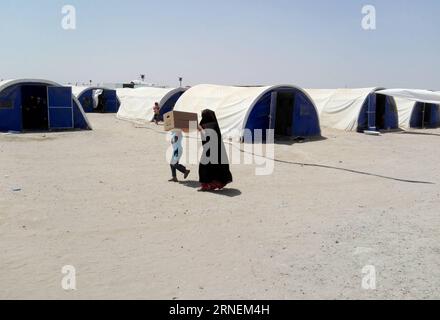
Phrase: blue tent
pixel 379 112
pixel 39 105
pixel 97 99
pixel 425 115
pixel 287 110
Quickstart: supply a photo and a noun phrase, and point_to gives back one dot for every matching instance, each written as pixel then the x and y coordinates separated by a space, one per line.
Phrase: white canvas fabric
pixel 340 108
pixel 137 104
pixel 413 95
pixel 95 95
pixel 232 105
pixel 405 109
pixel 77 90
pixel 406 100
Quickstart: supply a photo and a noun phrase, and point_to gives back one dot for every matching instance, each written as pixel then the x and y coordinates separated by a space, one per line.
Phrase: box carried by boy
pixel 180 120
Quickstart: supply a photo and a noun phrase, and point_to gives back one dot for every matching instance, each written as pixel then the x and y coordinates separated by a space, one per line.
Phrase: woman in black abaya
pixel 214 166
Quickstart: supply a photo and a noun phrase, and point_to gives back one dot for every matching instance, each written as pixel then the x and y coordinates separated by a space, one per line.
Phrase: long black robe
pixel 217 169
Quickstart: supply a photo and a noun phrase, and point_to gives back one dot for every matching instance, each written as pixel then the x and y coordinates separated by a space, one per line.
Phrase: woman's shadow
pixel 225 192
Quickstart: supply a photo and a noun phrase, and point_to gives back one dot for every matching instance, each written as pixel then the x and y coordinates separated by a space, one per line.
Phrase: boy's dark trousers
pixel 177 167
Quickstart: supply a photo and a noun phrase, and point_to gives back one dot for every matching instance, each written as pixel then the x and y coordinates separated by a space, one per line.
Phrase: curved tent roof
pixel 12 82
pixel 340 108
pixel 232 105
pixel 137 104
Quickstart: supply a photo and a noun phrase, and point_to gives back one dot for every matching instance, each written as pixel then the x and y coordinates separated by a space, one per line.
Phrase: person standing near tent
pixel 176 142
pixel 214 165
pixel 156 110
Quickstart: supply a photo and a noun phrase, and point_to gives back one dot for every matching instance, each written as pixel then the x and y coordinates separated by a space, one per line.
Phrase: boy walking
pixel 176 141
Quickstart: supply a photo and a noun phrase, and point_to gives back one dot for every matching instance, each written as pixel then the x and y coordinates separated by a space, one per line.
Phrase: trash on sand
pixel 16 189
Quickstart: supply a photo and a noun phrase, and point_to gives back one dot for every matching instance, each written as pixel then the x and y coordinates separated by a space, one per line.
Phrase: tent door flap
pixel 111 99
pixel 60 107
pixel 273 110
pixel 371 112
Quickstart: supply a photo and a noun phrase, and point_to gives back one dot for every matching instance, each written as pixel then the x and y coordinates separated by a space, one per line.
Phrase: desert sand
pixel 100 201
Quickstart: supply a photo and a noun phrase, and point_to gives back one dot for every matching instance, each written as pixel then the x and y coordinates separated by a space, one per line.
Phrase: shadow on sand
pixel 227 192
pixel 422 133
pixel 289 141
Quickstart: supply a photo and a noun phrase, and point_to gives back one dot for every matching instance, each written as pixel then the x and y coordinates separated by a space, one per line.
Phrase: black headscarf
pixel 209 120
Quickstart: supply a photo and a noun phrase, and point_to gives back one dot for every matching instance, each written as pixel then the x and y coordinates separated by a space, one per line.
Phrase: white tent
pixel 410 101
pixel 342 109
pixel 137 104
pixel 234 105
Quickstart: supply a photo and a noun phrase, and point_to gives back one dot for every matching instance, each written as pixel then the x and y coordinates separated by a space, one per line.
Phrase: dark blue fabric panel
pixel 417 116
pixel 86 101
pixel 60 107
pixel 111 101
pixel 305 117
pixel 10 109
pixel 435 115
pixel 371 112
pixel 391 115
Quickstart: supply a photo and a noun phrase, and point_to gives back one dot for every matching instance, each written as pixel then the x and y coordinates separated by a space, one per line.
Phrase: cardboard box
pixel 179 120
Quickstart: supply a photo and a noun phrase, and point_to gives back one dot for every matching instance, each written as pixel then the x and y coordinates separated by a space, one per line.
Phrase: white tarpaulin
pixel 405 109
pixel 413 95
pixel 77 91
pixel 232 105
pixel 340 108
pixel 137 104
pixel 95 95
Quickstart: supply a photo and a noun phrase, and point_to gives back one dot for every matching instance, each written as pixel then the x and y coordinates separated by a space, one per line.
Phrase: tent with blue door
pixel 39 105
pixel 137 104
pixel 417 108
pixel 355 109
pixel 97 99
pixel 286 109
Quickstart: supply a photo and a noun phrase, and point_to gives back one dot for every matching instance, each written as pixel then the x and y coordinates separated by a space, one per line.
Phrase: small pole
pixel 180 81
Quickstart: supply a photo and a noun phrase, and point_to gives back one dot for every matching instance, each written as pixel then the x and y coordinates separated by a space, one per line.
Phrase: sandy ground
pixel 100 201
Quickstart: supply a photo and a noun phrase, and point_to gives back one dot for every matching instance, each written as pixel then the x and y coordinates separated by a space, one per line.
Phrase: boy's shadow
pixel 225 192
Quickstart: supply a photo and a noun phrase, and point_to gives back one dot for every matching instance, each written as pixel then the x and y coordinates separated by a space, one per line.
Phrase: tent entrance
pixel 34 108
pixel 102 101
pixel 425 115
pixel 98 101
pixel 381 107
pixel 427 112
pixel 285 102
pixel 378 113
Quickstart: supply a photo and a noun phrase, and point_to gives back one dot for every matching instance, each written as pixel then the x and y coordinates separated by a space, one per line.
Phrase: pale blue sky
pixel 311 43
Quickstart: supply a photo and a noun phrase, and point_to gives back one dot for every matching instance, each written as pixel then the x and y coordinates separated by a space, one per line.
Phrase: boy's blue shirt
pixel 177 147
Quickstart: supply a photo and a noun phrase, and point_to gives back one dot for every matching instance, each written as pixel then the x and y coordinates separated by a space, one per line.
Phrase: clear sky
pixel 310 43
